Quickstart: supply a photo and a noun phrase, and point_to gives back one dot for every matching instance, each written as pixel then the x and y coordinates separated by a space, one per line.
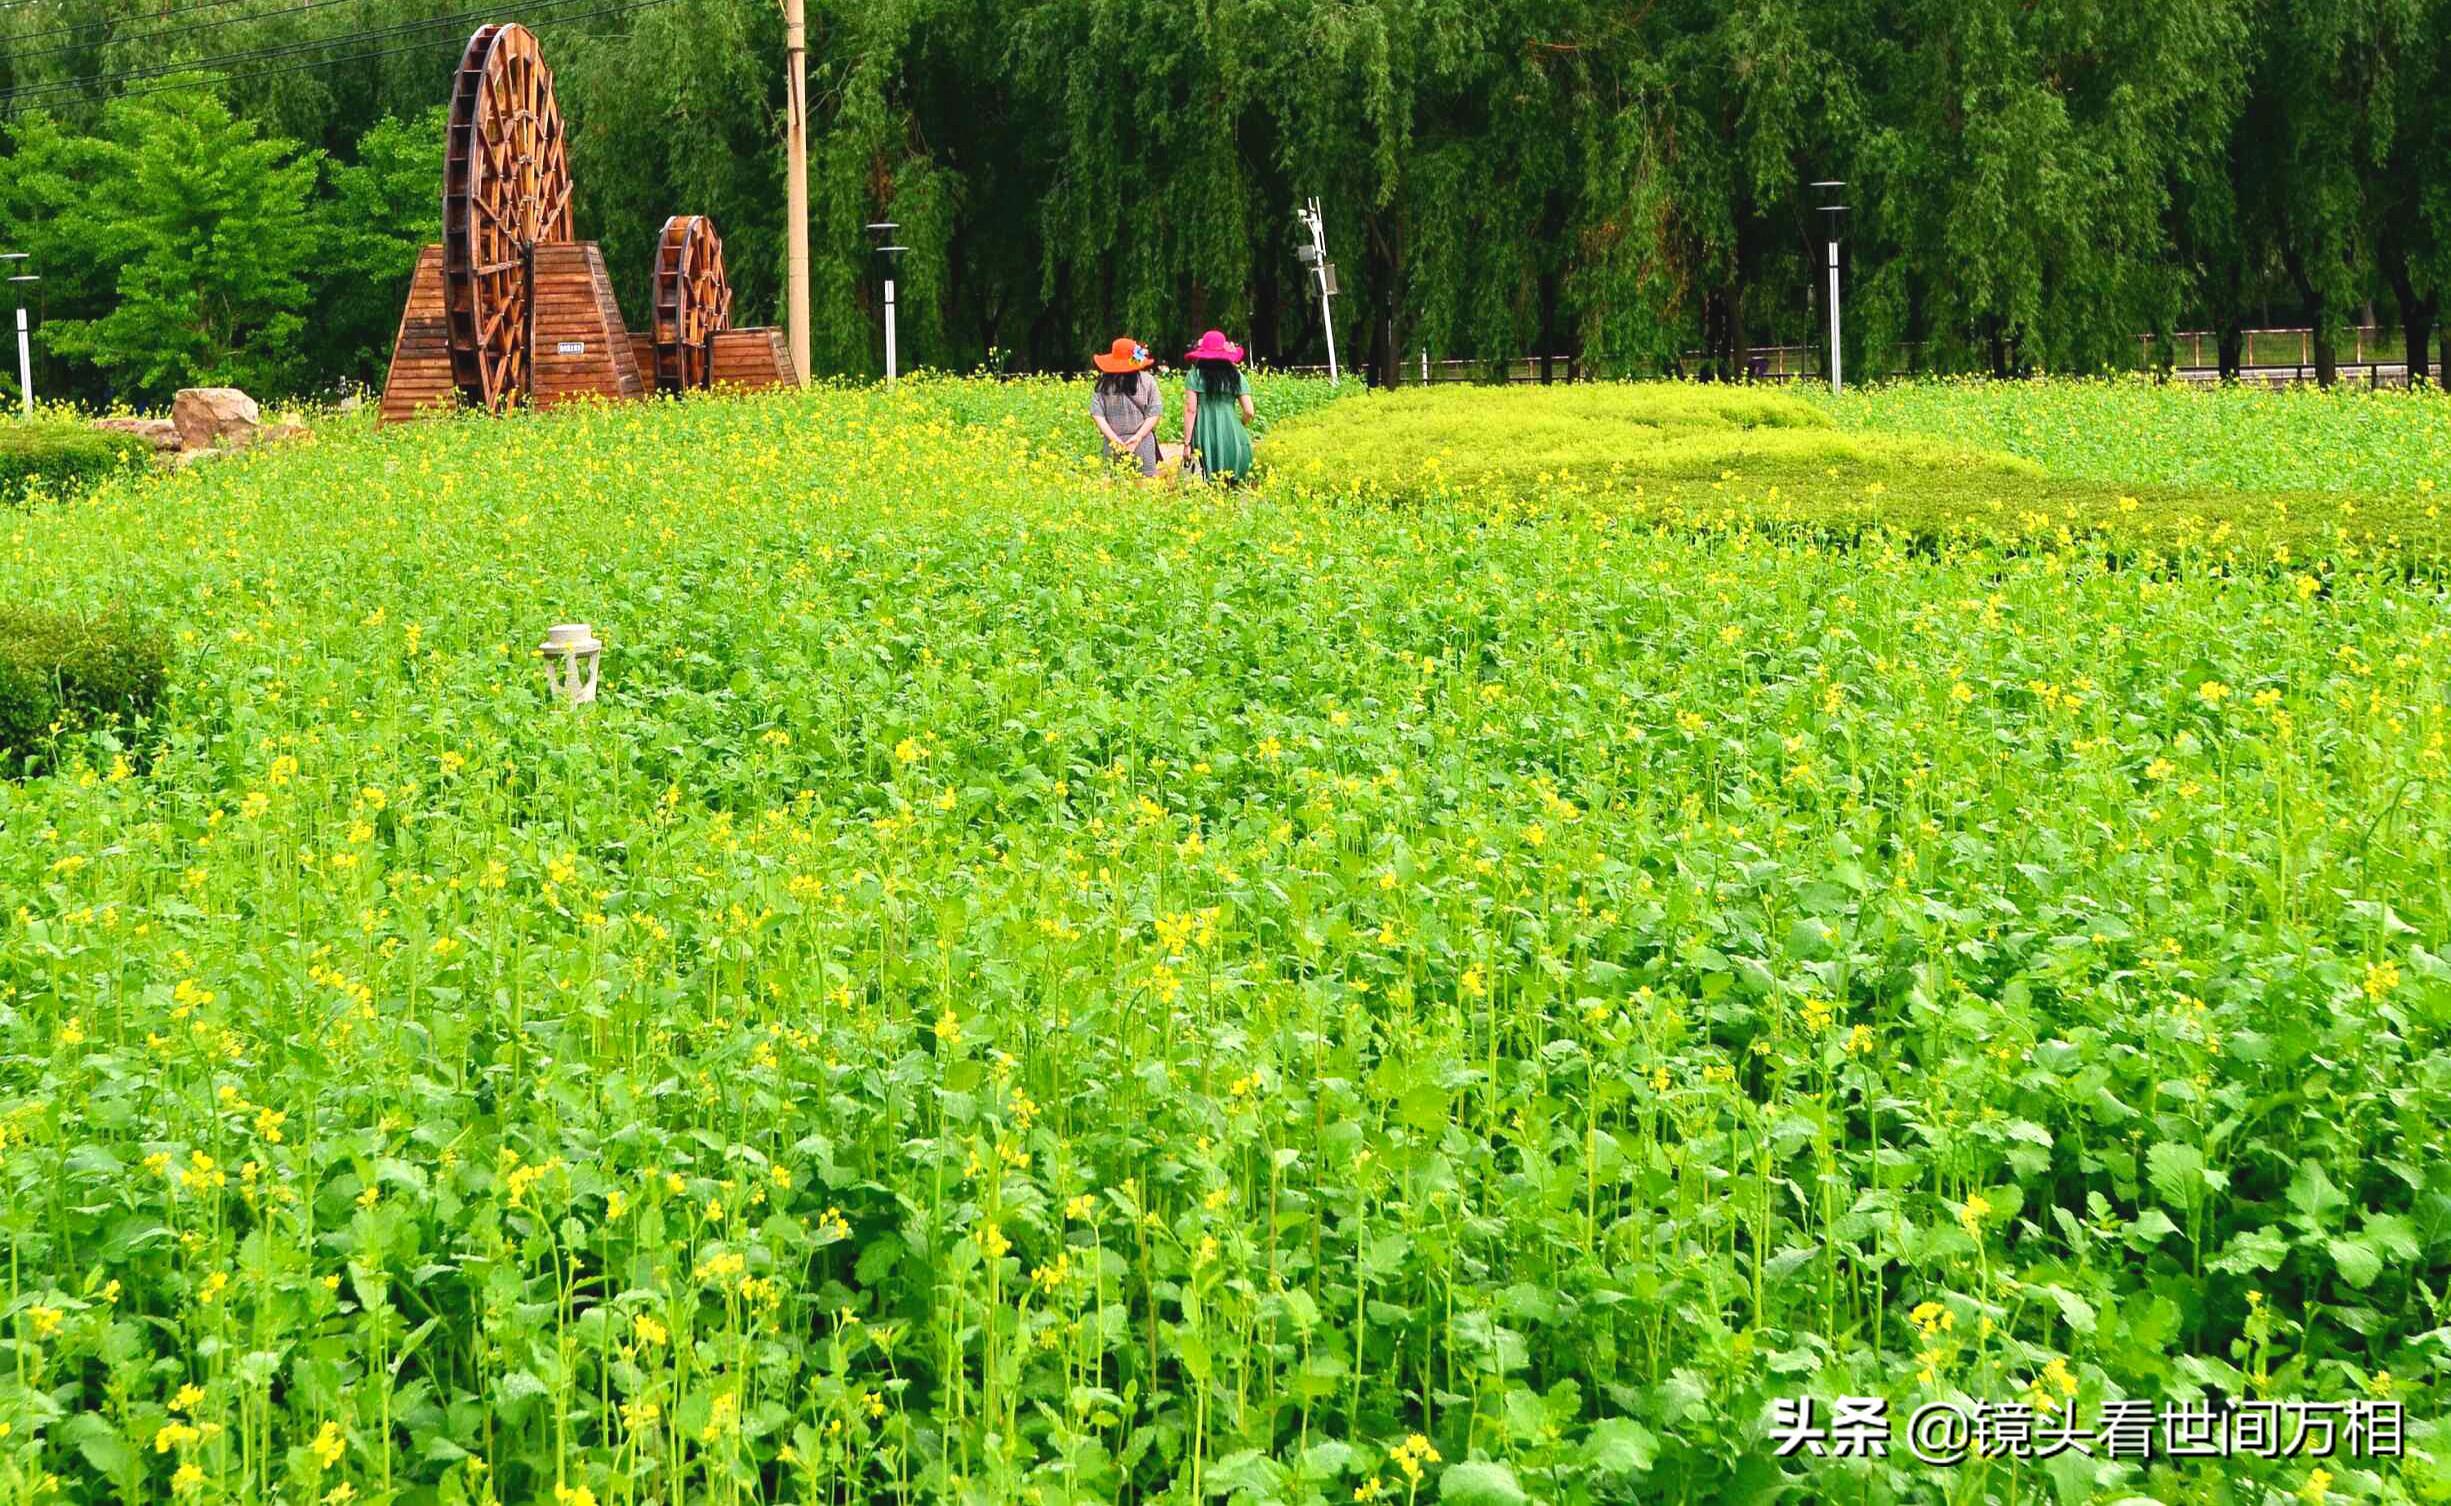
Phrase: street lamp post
pixel 25 341
pixel 1315 257
pixel 889 260
pixel 1828 191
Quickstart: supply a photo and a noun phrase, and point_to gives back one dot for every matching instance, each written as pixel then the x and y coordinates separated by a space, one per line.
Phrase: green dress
pixel 1220 444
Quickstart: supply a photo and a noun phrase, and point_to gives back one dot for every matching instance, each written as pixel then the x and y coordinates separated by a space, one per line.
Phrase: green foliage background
pixel 2034 184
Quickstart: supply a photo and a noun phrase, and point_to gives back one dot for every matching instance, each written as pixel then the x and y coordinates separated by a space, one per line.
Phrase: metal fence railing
pixel 2373 353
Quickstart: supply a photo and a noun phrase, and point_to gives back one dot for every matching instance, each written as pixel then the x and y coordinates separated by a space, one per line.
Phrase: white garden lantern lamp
pixel 571 653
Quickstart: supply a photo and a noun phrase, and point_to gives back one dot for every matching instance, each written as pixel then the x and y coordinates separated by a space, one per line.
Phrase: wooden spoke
pixel 690 303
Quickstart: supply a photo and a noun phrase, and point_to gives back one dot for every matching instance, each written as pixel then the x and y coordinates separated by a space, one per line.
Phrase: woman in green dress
pixel 1217 410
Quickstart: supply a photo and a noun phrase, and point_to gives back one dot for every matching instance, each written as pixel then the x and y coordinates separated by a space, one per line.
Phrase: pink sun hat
pixel 1214 346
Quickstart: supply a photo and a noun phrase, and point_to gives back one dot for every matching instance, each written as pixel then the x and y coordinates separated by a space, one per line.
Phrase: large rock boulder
pixel 215 417
pixel 161 433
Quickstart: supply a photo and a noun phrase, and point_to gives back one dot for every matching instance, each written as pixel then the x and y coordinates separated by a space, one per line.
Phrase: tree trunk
pixel 2233 349
pixel 1727 324
pixel 2319 317
pixel 1267 319
pixel 1548 328
pixel 1386 273
pixel 2416 321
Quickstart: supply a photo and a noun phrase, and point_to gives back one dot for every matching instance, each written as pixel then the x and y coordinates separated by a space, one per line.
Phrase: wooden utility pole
pixel 795 181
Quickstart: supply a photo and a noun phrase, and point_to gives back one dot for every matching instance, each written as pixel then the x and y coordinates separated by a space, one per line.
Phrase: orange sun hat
pixel 1127 354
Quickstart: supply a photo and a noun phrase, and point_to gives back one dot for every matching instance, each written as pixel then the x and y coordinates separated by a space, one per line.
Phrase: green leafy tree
pixel 2409 202
pixel 380 210
pixel 209 230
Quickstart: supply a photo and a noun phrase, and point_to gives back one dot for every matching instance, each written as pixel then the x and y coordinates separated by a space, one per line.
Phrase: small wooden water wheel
pixel 691 303
pixel 506 191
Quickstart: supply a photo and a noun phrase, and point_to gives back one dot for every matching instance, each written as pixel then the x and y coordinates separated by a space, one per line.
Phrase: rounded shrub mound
pixel 64 670
pixel 1521 442
pixel 52 459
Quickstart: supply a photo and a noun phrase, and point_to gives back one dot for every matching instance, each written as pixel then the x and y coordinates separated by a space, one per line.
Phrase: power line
pixel 288 49
pixel 165 15
pixel 363 57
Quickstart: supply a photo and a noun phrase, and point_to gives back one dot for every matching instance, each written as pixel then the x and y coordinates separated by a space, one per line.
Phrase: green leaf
pixel 2074 1310
pixel 2254 1250
pixel 1478 1482
pixel 1326 1461
pixel 1620 1446
pixel 2358 1262
pixel 111 1455
pixel 1192 1350
pixel 1423 1107
pixel 2151 1226
pixel 877 1257
pixel 2312 1193
pixel 2178 1173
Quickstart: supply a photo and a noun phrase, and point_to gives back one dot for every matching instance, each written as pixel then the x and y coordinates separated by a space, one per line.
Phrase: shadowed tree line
pixel 2034 183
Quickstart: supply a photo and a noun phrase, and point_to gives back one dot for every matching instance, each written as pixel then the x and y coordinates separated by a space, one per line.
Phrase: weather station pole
pixel 889 260
pixel 25 340
pixel 1827 191
pixel 1315 256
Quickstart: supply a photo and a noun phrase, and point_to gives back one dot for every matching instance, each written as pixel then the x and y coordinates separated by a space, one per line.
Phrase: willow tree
pixel 2018 172
pixel 678 111
pixel 2409 142
pixel 2323 76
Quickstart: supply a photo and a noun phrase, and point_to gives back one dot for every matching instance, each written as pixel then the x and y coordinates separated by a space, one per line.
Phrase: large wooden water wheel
pixel 506 191
pixel 691 303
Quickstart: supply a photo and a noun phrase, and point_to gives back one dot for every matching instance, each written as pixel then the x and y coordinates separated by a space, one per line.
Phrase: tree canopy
pixel 2032 183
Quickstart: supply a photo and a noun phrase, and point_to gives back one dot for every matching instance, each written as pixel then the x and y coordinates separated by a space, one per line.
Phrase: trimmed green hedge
pixel 63 459
pixel 67 670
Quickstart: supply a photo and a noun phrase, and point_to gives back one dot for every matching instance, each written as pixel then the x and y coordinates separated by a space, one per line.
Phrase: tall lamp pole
pixel 889 260
pixel 1315 256
pixel 1827 191
pixel 25 341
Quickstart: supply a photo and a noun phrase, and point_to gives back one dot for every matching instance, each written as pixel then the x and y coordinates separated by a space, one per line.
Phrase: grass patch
pixel 1686 454
pixel 2135 430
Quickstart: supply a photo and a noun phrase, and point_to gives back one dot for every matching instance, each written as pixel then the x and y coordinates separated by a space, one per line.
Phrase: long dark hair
pixel 1216 379
pixel 1120 383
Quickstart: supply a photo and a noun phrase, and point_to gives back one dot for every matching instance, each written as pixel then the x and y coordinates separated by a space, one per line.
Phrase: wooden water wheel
pixel 506 191
pixel 691 303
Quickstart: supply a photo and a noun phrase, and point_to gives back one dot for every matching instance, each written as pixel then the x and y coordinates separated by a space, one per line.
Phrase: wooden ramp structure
pixel 581 348
pixel 753 358
pixel 510 310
